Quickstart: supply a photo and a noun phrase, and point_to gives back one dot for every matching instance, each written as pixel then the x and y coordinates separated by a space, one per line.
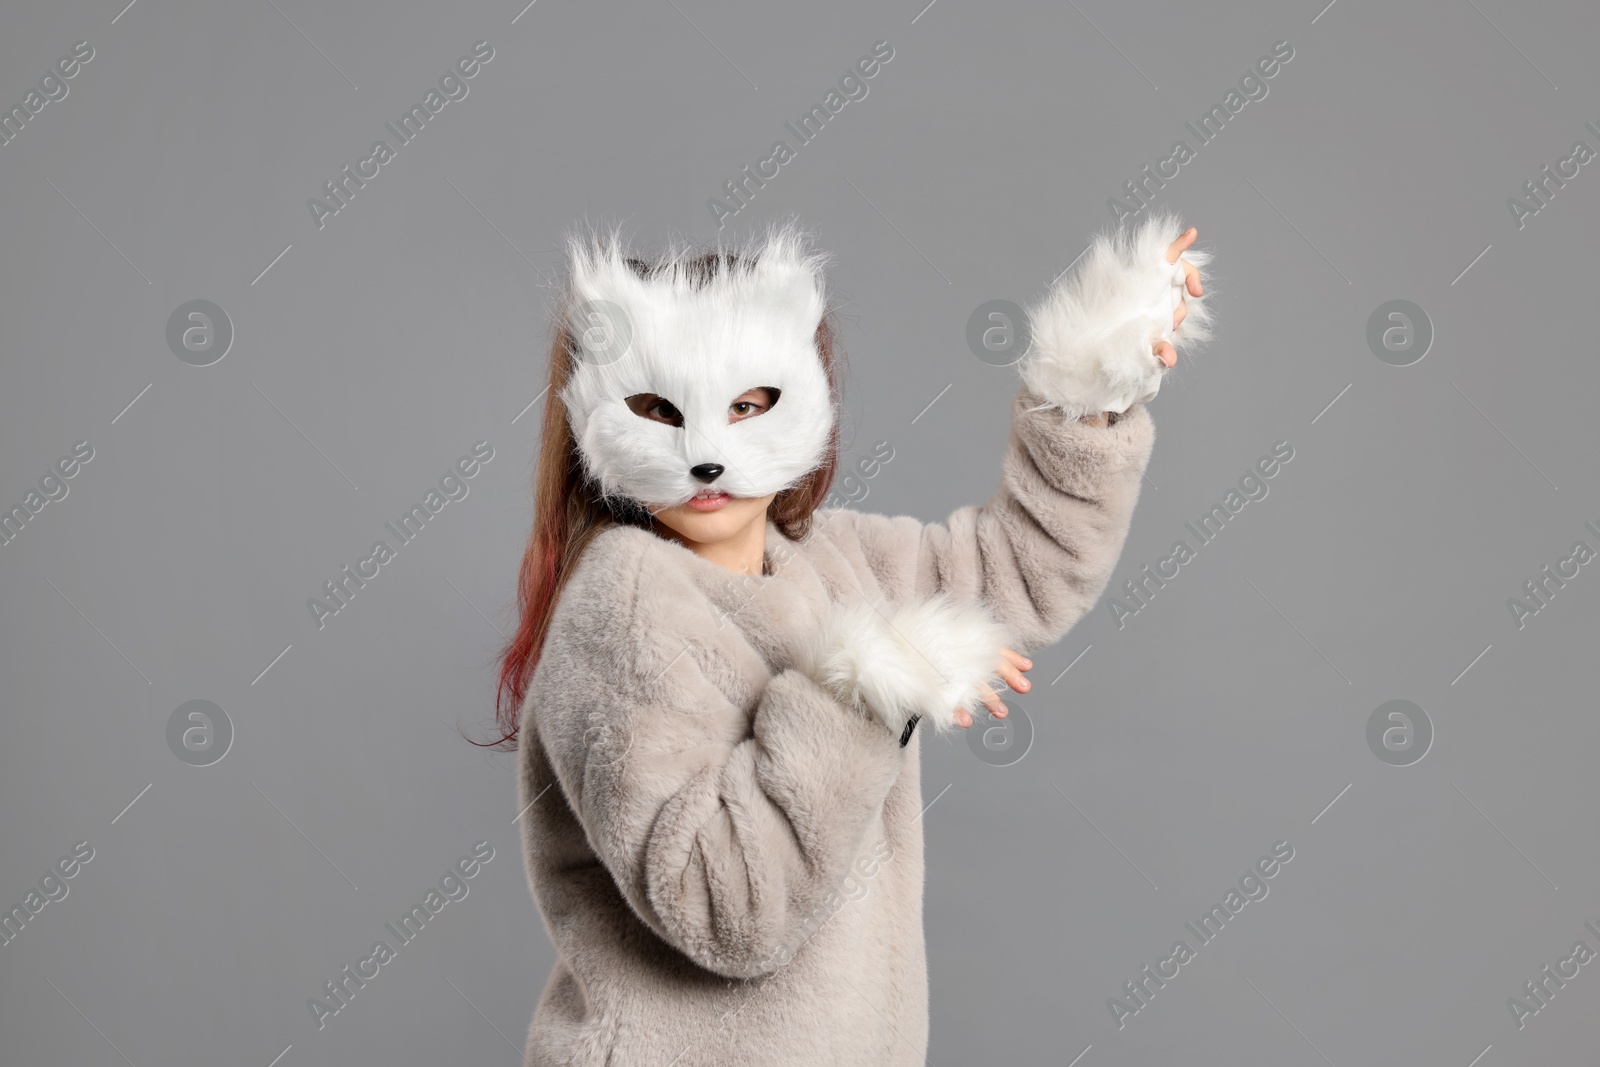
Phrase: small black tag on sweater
pixel 905 735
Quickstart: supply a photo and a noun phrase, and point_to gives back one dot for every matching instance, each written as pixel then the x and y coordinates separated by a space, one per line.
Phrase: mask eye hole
pixel 753 402
pixel 655 408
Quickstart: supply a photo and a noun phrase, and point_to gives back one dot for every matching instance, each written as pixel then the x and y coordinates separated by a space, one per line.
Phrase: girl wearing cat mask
pixel 716 682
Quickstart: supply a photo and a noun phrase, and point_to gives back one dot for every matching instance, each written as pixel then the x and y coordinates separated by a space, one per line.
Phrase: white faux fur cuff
pixel 1093 336
pixel 923 658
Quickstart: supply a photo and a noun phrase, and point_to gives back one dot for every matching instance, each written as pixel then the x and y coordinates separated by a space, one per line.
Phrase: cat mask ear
pixel 698 331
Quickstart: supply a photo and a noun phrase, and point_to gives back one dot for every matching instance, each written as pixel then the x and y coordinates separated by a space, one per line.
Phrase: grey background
pixel 1224 717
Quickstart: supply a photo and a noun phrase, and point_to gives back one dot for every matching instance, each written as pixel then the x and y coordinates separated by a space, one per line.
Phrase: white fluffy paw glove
pixel 924 658
pixel 1093 336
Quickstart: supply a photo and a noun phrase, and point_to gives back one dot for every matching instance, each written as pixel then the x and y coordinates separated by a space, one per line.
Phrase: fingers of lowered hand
pixel 991 700
pixel 1017 659
pixel 1013 677
pixel 1012 664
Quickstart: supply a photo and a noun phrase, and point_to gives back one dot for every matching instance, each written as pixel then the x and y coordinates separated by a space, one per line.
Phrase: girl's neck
pixel 743 552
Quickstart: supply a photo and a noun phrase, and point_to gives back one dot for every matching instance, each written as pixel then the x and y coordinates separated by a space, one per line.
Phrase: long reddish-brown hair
pixel 568 511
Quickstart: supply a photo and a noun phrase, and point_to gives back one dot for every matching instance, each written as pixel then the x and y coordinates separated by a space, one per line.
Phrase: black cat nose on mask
pixel 706 472
pixel 701 332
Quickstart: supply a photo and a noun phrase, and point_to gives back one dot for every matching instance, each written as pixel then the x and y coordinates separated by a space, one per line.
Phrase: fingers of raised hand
pixel 1163 350
pixel 1181 245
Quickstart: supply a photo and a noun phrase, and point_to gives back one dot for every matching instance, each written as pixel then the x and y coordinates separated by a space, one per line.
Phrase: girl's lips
pixel 708 501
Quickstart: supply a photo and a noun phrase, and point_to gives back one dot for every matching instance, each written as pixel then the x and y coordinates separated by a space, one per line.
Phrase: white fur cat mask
pixel 698 338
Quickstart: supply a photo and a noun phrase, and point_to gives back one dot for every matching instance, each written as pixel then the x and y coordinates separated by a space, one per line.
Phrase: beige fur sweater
pixel 727 855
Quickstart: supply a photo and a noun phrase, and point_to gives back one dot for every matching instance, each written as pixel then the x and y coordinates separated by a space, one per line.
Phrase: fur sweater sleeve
pixel 724 828
pixel 1039 553
pixel 1041 550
